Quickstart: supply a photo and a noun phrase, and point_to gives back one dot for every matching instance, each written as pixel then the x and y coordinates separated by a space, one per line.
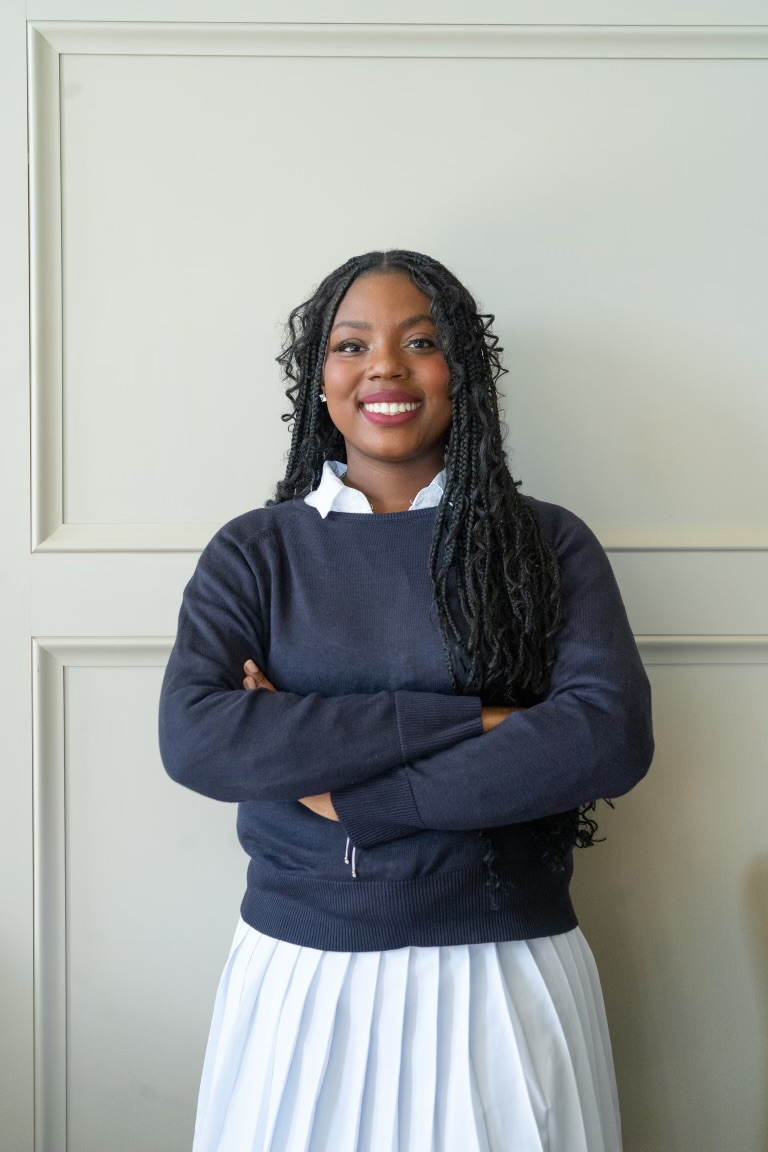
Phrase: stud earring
pixel 323 398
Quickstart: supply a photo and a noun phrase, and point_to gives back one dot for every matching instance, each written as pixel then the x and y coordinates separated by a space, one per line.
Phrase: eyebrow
pixel 362 324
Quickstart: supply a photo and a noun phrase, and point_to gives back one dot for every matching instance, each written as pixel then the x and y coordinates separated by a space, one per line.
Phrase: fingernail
pixel 250 665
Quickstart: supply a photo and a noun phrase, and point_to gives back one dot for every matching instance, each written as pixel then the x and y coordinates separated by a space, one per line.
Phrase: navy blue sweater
pixel 338 613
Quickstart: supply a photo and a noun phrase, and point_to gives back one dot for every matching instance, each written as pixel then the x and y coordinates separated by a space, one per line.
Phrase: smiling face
pixel 384 346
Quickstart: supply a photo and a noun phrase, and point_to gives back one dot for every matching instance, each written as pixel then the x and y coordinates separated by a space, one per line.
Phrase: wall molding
pixel 153 651
pixel 171 537
pixel 177 537
pixel 48 40
pixel 544 41
pixel 51 656
pixel 713 649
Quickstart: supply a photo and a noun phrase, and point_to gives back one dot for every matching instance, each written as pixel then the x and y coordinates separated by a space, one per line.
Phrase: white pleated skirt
pixel 499 1047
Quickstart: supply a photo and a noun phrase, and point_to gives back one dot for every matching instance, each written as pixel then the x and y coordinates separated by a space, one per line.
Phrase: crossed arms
pixel 322 804
pixel 396 762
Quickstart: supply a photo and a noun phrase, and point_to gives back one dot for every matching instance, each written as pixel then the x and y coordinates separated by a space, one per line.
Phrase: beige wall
pixel 602 187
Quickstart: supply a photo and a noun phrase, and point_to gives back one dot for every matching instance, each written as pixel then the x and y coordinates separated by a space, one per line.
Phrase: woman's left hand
pixel 321 804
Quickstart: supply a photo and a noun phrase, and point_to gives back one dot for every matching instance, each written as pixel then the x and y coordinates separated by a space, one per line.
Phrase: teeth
pixel 391 409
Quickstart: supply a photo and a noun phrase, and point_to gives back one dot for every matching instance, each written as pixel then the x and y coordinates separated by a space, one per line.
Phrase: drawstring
pixel 346 857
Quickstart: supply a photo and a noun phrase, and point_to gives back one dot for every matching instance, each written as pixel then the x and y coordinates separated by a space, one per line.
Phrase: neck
pixel 391 486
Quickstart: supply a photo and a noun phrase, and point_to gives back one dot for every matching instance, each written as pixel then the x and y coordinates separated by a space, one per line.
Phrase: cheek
pixel 441 382
pixel 337 373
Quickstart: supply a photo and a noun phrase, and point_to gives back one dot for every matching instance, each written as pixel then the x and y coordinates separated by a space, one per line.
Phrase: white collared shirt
pixel 332 494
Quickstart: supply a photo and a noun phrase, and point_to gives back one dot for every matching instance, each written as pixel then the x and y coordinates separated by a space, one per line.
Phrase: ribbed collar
pixel 332 494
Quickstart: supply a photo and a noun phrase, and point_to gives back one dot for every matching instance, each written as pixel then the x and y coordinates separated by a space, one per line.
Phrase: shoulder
pixel 562 525
pixel 583 561
pixel 258 526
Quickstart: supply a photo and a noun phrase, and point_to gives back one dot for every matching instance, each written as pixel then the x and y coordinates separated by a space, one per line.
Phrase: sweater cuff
pixel 428 722
pixel 379 809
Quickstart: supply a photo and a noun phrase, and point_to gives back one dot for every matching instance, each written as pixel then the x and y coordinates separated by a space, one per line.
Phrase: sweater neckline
pixel 336 514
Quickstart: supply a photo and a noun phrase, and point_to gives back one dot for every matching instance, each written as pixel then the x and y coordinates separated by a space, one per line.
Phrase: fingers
pixel 255 678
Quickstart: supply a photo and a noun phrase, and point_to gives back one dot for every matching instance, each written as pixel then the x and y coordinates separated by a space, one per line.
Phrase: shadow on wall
pixel 646 1096
pixel 756 907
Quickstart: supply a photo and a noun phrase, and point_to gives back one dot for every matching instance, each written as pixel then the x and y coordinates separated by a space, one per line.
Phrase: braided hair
pixel 489 556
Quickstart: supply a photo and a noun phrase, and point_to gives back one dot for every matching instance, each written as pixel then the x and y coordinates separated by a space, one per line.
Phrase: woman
pixel 415 681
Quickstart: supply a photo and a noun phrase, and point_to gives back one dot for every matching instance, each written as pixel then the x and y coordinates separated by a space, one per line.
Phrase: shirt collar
pixel 332 495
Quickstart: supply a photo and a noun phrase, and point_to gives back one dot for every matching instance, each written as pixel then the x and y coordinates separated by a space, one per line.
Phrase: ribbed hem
pixel 452 907
pixel 429 722
pixel 379 809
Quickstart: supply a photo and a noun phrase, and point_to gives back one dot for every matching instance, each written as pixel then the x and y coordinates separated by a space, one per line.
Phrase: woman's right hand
pixel 493 714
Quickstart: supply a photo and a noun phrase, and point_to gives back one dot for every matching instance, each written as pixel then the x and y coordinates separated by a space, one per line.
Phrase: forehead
pixel 382 294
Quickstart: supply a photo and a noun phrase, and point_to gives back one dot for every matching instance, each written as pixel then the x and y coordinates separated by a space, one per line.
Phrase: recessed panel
pixel 611 213
pixel 675 906
pixel 154 879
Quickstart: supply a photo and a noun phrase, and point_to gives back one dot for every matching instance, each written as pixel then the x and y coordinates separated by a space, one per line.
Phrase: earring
pixel 323 398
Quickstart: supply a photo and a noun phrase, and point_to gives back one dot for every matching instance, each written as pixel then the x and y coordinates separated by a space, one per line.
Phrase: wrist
pixel 493 714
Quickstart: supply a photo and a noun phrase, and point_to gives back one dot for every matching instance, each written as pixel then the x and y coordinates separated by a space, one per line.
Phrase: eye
pixel 345 345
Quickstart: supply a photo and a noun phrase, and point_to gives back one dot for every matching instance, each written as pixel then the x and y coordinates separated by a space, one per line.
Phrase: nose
pixel 385 361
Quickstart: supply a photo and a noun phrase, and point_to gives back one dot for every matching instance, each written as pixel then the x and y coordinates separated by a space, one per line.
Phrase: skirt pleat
pixel 381 1109
pixel 460 1048
pixel 511 1061
pixel 458 1104
pixel 414 1067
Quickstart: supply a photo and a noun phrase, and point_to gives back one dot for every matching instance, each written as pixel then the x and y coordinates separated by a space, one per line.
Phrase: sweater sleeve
pixel 234 744
pixel 590 737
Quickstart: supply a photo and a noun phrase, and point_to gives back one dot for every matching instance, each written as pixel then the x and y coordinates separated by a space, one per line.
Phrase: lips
pixel 386 417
